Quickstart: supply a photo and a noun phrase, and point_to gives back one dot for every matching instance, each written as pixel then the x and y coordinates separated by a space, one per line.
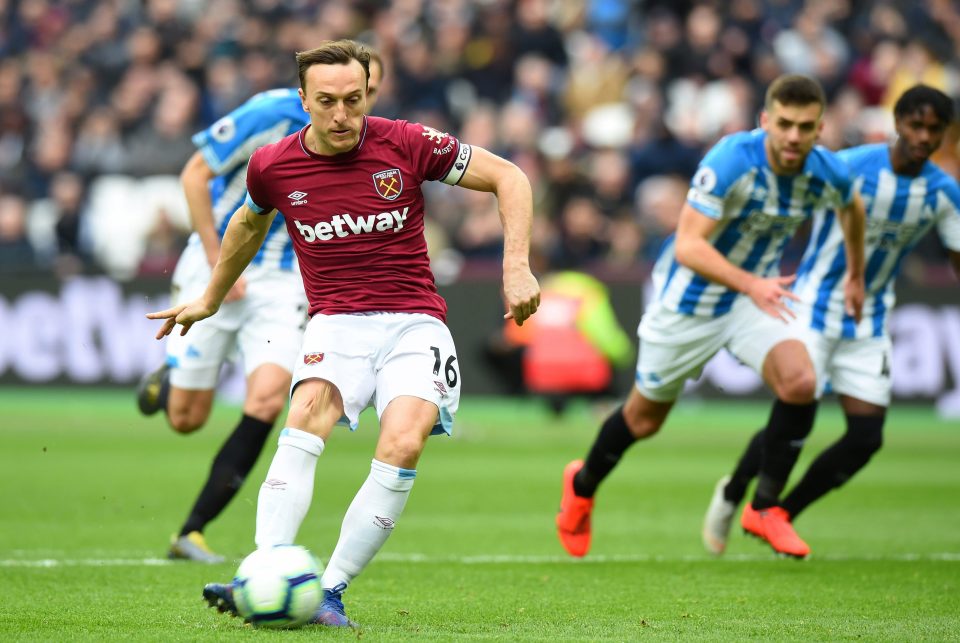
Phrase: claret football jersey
pixel 356 218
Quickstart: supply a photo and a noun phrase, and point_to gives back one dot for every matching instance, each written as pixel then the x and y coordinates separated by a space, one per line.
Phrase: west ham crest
pixel 312 358
pixel 389 183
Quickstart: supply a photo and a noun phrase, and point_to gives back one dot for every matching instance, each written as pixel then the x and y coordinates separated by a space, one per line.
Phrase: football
pixel 278 587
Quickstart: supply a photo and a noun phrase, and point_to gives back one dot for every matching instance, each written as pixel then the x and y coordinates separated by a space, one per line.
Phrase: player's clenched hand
pixel 770 294
pixel 521 293
pixel 184 314
pixel 853 295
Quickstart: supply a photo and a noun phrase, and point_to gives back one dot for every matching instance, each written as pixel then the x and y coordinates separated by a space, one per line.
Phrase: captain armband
pixel 459 167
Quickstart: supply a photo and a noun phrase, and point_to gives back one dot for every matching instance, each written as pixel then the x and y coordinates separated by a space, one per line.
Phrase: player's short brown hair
pixel 333 52
pixel 795 89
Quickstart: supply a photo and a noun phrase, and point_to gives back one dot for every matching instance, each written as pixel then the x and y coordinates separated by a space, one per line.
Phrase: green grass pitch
pixel 91 493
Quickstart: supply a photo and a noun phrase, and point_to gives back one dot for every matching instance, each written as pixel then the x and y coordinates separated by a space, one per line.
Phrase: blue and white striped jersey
pixel 900 210
pixel 758 212
pixel 227 145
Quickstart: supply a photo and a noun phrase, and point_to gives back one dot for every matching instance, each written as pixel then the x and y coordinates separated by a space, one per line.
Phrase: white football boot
pixel 716 524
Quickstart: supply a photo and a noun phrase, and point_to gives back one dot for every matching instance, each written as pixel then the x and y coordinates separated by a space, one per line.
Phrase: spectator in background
pixel 488 56
pixel 659 200
pixel 537 85
pixel 582 238
pixel 480 233
pixel 420 86
pixel 919 64
pixel 161 144
pixel 16 253
pixel 533 33
pixel 50 155
pixel 164 242
pixel 43 95
pixel 627 243
pixel 700 59
pixel 595 77
pixel 81 82
pixel 15 135
pixel 609 174
pixel 613 21
pixel 57 226
pixel 226 88
pixel 813 47
pixel 99 145
pixel 663 153
pixel 870 75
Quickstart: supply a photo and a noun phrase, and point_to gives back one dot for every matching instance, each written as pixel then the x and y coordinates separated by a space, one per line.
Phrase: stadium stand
pixel 576 93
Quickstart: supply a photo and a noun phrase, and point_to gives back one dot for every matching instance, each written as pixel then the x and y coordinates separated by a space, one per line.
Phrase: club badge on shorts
pixel 388 183
pixel 312 358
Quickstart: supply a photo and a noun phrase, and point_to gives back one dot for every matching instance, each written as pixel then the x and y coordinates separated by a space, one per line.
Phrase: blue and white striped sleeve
pixel 948 223
pixel 718 172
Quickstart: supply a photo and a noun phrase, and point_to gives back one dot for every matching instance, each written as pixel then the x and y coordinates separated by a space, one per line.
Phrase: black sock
pixel 788 427
pixel 747 469
pixel 611 443
pixel 838 463
pixel 230 468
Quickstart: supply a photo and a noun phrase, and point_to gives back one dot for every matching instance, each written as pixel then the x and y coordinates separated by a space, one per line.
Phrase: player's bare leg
pixel 189 409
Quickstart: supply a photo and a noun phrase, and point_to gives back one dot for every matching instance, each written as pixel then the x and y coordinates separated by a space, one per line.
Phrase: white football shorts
pixel 859 368
pixel 675 347
pixel 265 327
pixel 373 358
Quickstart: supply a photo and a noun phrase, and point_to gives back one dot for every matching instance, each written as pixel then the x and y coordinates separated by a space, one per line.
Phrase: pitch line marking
pixel 508 559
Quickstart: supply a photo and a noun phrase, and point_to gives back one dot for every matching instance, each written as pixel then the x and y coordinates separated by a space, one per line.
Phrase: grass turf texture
pixel 92 492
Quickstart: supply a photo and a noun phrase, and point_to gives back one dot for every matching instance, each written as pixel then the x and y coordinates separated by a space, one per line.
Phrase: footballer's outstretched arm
pixel 488 172
pixel 694 250
pixel 243 237
pixel 241 241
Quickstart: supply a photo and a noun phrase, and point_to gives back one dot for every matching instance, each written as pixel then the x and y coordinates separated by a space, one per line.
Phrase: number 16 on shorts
pixel 449 369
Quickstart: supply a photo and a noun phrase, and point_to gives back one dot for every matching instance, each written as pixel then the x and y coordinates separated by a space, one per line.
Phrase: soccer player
pixel 349 186
pixel 716 287
pixel 263 315
pixel 906 195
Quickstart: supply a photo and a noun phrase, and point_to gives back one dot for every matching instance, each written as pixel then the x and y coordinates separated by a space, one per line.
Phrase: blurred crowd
pixel 607 105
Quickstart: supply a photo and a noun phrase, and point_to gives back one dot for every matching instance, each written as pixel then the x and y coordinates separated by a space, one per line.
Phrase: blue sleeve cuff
pixel 705 210
pixel 253 206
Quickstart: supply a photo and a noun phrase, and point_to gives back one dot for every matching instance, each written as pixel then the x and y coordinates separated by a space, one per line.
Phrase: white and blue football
pixel 278 587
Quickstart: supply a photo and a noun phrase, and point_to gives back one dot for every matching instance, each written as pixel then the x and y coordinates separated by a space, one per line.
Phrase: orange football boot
pixel 573 520
pixel 773 525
